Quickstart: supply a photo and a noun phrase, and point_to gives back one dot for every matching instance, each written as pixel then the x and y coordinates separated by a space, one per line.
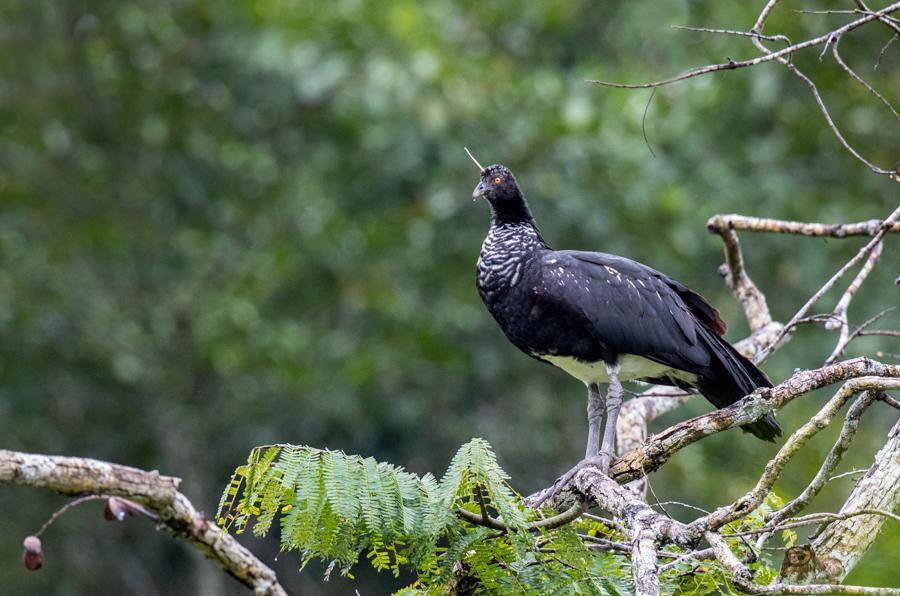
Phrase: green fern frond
pixel 339 508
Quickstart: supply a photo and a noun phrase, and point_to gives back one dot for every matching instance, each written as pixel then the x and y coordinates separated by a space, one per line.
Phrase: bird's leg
pixel 596 410
pixel 601 413
pixel 596 415
pixel 613 403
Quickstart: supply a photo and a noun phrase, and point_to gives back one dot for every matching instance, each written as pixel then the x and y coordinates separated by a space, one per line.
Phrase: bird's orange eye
pixel 498 180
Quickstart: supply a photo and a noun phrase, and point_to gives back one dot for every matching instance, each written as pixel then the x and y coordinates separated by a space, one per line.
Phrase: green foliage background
pixel 232 224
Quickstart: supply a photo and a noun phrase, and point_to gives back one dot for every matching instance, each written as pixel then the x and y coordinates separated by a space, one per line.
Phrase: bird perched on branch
pixel 603 318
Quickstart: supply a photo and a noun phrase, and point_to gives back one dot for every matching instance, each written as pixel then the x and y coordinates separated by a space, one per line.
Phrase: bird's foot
pixel 604 459
pixel 563 483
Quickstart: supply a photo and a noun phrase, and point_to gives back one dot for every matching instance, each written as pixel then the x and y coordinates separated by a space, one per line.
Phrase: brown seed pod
pixel 33 555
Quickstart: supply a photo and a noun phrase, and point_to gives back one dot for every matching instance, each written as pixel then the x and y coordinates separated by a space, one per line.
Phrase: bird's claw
pixel 604 458
pixel 563 483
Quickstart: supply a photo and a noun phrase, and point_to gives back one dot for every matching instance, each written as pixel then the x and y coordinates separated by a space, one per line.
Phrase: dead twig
pixel 840 310
pixel 884 228
pixel 859 79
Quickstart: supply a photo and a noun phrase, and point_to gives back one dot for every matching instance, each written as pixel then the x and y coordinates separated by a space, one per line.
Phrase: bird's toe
pixel 563 484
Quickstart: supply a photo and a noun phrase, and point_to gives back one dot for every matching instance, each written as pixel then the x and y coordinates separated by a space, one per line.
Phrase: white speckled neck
pixel 503 254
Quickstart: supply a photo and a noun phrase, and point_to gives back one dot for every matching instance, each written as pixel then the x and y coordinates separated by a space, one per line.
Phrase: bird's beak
pixel 479 191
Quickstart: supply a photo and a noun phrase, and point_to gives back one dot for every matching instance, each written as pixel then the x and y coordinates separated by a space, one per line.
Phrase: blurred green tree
pixel 229 224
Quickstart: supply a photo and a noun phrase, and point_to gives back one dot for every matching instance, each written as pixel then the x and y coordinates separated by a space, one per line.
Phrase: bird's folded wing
pixel 631 308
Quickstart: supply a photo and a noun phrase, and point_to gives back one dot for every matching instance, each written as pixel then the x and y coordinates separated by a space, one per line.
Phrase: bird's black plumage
pixel 583 310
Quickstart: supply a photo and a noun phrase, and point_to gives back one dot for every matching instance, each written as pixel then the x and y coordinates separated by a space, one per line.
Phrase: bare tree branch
pixel 868 375
pixel 566 517
pixel 751 299
pixel 739 572
pixel 749 296
pixel 884 49
pixel 783 56
pixel 800 437
pixel 888 22
pixel 80 476
pixel 733 221
pixel 731 32
pixel 840 311
pixel 813 519
pixel 643 557
pixel 840 546
pixel 830 38
pixel 859 79
pixel 735 64
pixel 848 431
pixel 884 228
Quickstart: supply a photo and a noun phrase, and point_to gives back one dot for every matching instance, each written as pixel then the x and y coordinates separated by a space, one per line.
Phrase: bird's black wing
pixel 631 308
pixel 697 304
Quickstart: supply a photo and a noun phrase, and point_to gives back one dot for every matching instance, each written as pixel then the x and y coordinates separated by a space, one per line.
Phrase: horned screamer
pixel 603 318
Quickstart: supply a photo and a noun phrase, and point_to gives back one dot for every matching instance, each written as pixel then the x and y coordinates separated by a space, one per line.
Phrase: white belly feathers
pixel 630 367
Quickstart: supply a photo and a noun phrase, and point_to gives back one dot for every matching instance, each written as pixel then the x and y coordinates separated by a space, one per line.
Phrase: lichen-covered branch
pixel 842 543
pixel 739 572
pixel 660 447
pixel 80 476
pixel 643 557
pixel 848 431
pixel 733 221
pixel 800 437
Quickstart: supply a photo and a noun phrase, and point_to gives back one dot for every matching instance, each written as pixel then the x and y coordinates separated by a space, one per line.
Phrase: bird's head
pixel 499 187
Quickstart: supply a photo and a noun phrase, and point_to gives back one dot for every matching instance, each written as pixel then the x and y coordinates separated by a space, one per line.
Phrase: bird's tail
pixel 732 377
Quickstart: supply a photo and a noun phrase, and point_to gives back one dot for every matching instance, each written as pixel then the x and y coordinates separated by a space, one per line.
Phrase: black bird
pixel 603 318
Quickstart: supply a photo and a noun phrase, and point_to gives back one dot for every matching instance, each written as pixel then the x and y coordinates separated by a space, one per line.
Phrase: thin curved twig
pixel 731 32
pixel 859 79
pixel 561 519
pixel 840 310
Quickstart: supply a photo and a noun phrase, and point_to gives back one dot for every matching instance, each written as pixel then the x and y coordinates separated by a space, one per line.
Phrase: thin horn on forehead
pixel 472 157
